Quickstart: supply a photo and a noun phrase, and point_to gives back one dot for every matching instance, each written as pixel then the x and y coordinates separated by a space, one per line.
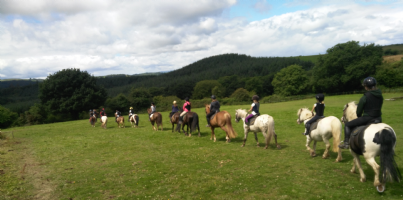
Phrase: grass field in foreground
pixel 72 160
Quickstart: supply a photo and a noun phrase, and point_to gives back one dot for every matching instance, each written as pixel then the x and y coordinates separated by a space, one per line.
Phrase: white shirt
pixel 253 112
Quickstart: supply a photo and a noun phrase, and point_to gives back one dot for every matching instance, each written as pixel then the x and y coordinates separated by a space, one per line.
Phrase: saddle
pixel 212 116
pixel 314 125
pixel 252 120
pixel 357 136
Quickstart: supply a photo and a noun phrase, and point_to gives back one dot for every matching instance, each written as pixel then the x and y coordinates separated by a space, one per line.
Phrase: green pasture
pixel 72 160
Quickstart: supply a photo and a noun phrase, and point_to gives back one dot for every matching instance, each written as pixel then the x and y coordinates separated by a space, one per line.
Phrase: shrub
pixel 240 94
pixel 7 117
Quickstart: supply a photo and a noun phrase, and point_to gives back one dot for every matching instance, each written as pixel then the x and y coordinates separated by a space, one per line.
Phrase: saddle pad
pixel 357 139
pixel 314 125
pixel 212 116
pixel 151 116
pixel 252 120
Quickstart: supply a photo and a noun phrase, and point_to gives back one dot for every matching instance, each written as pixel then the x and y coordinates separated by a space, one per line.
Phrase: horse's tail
pixel 195 122
pixel 178 127
pixel 389 168
pixel 336 133
pixel 231 131
pixel 159 119
pixel 269 130
pixel 137 119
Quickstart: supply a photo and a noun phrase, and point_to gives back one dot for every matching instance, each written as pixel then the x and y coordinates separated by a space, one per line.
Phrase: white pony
pixel 104 119
pixel 263 123
pixel 327 128
pixel 386 138
pixel 133 120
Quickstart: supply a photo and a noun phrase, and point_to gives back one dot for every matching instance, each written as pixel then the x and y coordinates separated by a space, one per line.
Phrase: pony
pixel 369 149
pixel 93 120
pixel 221 119
pixel 327 128
pixel 263 123
pixel 174 119
pixel 104 119
pixel 134 120
pixel 191 119
pixel 156 118
pixel 121 121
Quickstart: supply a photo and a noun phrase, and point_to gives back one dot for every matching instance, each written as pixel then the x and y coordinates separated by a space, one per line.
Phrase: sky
pixel 42 37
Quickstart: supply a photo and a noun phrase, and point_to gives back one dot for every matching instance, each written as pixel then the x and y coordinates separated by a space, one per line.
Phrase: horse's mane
pixel 351 110
pixel 241 112
pixel 301 109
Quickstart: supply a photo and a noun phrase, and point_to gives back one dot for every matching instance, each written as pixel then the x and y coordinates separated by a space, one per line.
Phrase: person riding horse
pixel 91 113
pixel 118 114
pixel 368 109
pixel 254 108
pixel 186 108
pixel 102 113
pixel 214 108
pixel 319 108
pixel 175 109
pixel 131 112
pixel 153 110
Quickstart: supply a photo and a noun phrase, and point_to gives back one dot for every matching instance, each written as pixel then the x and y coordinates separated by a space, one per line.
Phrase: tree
pixel 119 102
pixel 240 94
pixel 71 91
pixel 230 83
pixel 254 84
pixel 141 98
pixel 267 88
pixel 345 65
pixel 218 91
pixel 204 88
pixel 291 80
pixel 390 74
pixel 7 117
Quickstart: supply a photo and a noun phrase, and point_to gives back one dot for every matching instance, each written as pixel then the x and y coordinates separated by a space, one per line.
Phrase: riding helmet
pixel 152 103
pixel 369 82
pixel 255 97
pixel 103 108
pixel 213 96
pixel 187 99
pixel 90 110
pixel 131 108
pixel 174 102
pixel 320 97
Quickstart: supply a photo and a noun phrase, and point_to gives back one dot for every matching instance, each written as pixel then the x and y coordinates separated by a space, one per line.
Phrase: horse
pixel 174 119
pixel 121 121
pixel 134 120
pixel 156 118
pixel 385 137
pixel 93 120
pixel 327 128
pixel 263 123
pixel 221 119
pixel 191 119
pixel 104 119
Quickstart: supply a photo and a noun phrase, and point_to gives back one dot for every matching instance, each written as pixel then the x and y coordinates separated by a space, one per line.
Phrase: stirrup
pixel 344 146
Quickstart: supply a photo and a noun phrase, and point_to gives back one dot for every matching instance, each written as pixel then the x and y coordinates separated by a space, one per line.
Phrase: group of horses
pixel 377 139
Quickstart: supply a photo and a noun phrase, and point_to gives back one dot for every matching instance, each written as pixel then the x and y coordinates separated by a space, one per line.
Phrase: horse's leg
pixel 226 134
pixel 188 131
pixel 173 126
pixel 357 163
pixel 314 147
pixel 371 161
pixel 257 142
pixel 308 142
pixel 327 143
pixel 212 134
pixel 275 139
pixel 246 131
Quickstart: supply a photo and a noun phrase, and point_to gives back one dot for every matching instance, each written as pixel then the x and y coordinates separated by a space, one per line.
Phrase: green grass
pixel 72 160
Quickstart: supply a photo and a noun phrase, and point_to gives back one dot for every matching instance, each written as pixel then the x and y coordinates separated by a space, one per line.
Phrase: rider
pixel 131 112
pixel 186 108
pixel 214 108
pixel 254 108
pixel 153 108
pixel 95 112
pixel 319 108
pixel 369 108
pixel 175 109
pixel 91 114
pixel 117 115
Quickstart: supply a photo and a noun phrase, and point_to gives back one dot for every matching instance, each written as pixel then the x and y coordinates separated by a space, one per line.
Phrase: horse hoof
pixel 265 147
pixel 278 147
pixel 380 188
pixel 363 180
pixel 243 145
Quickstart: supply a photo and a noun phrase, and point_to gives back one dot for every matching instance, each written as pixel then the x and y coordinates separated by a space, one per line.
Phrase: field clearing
pixel 72 160
pixel 394 47
pixel 394 58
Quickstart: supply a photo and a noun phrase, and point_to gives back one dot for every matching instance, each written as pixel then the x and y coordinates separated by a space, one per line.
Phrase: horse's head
pixel 349 112
pixel 239 114
pixel 207 108
pixel 148 110
pixel 304 114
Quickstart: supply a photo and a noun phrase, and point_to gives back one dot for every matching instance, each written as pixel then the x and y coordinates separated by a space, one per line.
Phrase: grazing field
pixel 72 160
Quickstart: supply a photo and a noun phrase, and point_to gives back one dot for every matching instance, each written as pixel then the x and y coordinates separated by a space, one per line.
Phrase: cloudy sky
pixel 41 37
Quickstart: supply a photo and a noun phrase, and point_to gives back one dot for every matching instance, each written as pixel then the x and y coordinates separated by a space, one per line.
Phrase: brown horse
pixel 93 120
pixel 134 120
pixel 174 120
pixel 120 120
pixel 191 119
pixel 221 119
pixel 156 118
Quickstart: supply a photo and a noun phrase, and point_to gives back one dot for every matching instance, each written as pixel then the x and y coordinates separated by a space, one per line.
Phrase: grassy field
pixel 72 160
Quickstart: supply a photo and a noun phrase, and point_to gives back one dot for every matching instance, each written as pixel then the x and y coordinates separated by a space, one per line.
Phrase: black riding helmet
pixel 320 97
pixel 369 82
pixel 213 96
pixel 255 97
pixel 187 99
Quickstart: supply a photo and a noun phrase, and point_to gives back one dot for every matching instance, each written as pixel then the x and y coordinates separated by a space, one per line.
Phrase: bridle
pixel 236 117
pixel 299 117
pixel 344 118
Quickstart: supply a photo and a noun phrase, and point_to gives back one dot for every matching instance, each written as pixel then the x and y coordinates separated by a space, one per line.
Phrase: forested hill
pixel 211 68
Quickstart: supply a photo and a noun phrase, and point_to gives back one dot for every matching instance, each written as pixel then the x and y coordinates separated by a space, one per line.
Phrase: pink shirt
pixel 184 106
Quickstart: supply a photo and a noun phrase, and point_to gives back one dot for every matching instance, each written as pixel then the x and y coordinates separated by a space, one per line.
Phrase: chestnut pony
pixel 121 121
pixel 156 118
pixel 221 119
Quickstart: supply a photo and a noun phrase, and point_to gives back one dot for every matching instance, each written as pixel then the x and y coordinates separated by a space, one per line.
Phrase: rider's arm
pixel 360 107
pixel 313 108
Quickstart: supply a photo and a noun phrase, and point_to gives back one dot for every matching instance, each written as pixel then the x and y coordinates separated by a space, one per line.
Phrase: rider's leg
pixel 208 116
pixel 347 133
pixel 247 118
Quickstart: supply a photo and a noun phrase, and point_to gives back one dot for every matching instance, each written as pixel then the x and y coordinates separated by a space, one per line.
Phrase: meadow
pixel 72 160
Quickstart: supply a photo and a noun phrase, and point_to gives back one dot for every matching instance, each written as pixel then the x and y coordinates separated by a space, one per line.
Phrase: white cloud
pixel 262 6
pixel 128 37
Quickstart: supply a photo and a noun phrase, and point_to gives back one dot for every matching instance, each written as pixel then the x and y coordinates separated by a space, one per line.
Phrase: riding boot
pixel 180 120
pixel 307 129
pixel 208 122
pixel 347 133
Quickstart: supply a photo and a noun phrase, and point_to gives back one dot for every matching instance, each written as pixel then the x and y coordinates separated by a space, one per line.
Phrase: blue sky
pixel 41 37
